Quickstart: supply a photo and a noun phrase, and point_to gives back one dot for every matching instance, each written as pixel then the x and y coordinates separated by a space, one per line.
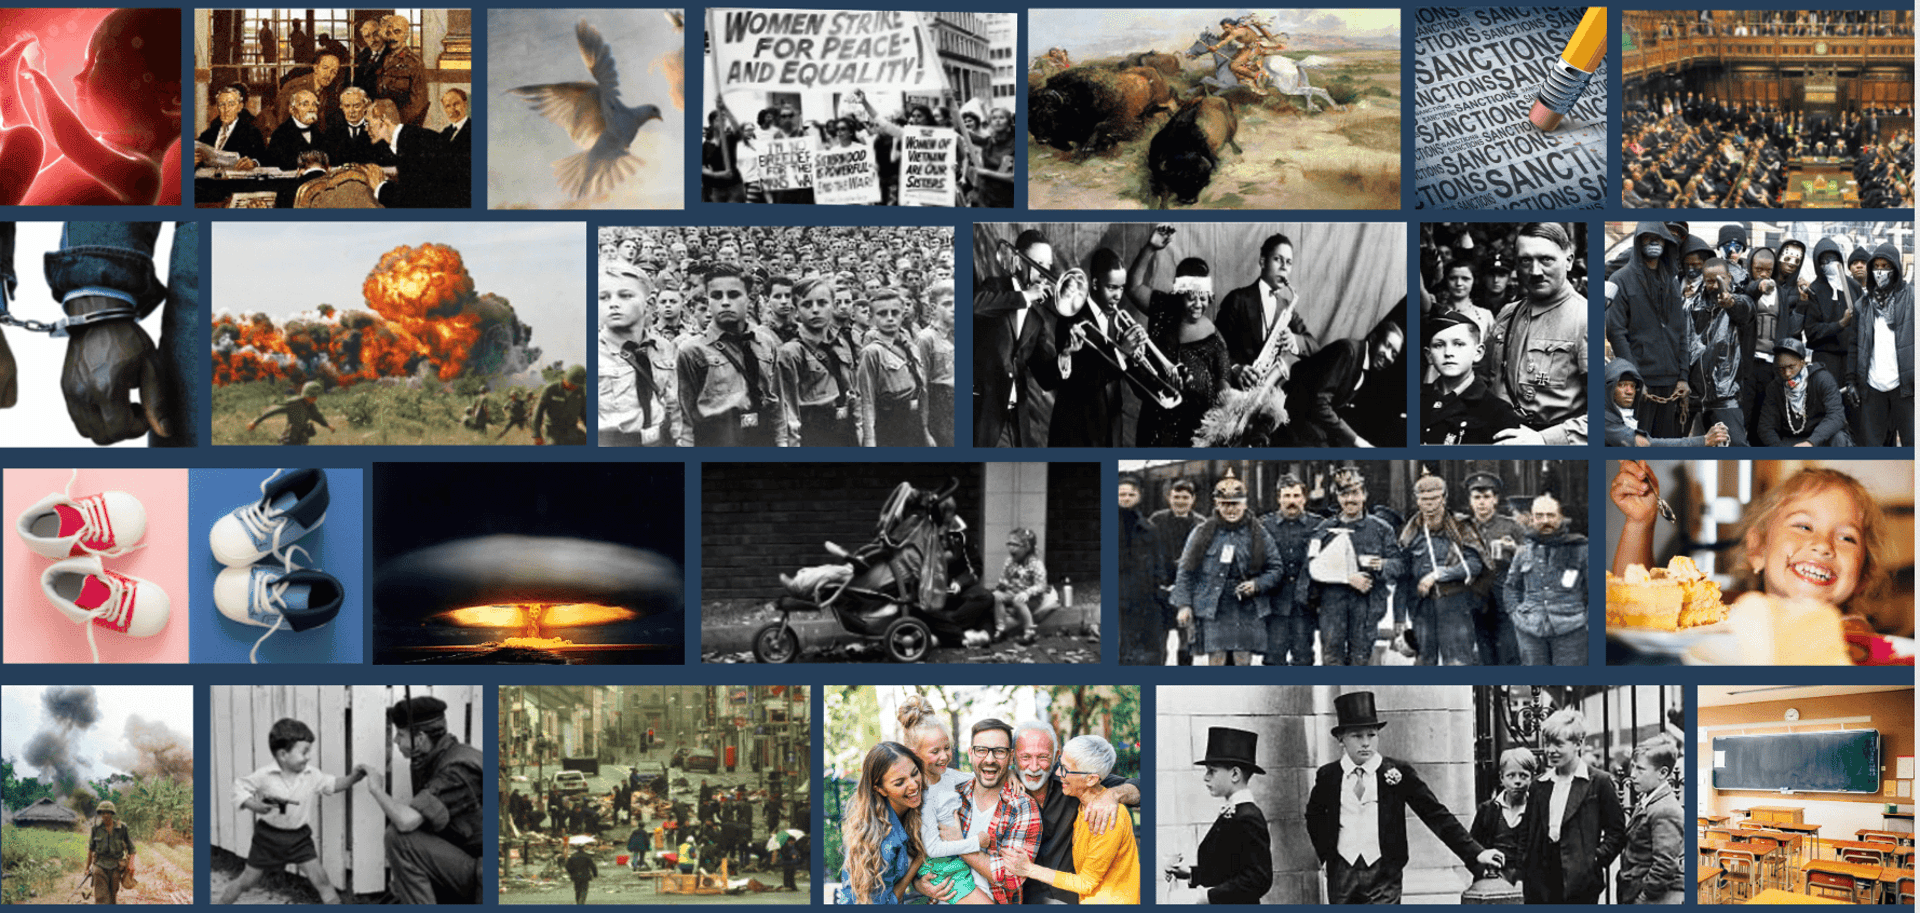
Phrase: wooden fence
pixel 349 723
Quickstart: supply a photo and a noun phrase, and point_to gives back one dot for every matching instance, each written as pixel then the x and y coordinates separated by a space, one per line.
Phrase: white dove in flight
pixel 594 118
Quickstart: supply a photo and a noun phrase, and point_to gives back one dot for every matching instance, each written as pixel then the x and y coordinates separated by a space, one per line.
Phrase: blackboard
pixel 1822 762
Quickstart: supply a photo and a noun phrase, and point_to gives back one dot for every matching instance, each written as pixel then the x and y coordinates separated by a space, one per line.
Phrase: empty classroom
pixel 1806 794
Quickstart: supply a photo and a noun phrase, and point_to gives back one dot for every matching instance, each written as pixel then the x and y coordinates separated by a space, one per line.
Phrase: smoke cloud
pixel 155 750
pixel 67 712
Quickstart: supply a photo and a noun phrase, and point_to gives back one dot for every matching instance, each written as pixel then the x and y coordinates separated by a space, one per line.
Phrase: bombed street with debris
pixel 654 794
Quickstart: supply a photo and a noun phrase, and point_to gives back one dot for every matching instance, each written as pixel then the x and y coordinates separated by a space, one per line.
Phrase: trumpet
pixel 1153 374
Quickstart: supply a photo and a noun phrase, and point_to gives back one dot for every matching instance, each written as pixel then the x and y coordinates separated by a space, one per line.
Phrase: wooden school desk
pixel 1775 895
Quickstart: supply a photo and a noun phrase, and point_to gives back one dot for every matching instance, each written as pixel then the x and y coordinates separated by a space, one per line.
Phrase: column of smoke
pixel 66 712
pixel 424 318
pixel 155 750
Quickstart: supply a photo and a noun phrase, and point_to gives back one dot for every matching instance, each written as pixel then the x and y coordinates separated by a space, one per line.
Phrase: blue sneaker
pixel 289 508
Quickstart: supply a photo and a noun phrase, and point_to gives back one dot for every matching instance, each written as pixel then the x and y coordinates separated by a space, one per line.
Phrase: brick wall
pixel 1074 497
pixel 759 520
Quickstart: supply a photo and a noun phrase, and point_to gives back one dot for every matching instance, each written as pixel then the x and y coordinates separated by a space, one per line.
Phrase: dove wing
pixel 575 106
pixel 599 59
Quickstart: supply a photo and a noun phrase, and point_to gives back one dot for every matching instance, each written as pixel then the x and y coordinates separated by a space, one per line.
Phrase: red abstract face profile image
pixel 89 107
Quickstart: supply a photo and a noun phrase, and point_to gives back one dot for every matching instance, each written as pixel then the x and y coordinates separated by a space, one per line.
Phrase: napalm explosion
pixel 424 317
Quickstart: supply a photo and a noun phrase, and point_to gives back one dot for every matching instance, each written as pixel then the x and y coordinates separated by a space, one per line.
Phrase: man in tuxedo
pixel 1086 386
pixel 1235 860
pixel 348 130
pixel 1323 388
pixel 1357 812
pixel 1011 335
pixel 1249 315
pixel 300 132
pixel 457 138
pixel 415 151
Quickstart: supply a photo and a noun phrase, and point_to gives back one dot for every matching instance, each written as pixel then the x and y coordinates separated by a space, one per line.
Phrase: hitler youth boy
pixel 1459 407
pixel 1357 812
pixel 282 796
pixel 1235 860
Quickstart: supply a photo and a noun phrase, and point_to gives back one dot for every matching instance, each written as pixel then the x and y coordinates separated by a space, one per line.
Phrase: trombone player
pixel 1012 337
pixel 1096 348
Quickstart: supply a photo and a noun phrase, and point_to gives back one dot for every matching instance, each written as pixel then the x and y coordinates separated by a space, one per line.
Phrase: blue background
pixel 335 547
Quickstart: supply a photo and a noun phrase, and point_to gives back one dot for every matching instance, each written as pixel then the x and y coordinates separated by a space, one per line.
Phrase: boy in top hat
pixel 1356 814
pixel 1235 861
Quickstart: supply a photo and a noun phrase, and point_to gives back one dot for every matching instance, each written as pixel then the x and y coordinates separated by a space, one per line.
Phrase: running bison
pixel 1183 155
pixel 1089 109
pixel 1167 64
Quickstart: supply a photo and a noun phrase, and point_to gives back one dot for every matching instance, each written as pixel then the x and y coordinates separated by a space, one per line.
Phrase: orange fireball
pixel 423 291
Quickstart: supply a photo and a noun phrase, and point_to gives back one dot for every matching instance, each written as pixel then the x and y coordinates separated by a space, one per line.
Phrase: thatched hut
pixel 48 814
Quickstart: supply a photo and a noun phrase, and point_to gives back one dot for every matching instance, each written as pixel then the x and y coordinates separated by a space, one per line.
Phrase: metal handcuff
pixel 64 326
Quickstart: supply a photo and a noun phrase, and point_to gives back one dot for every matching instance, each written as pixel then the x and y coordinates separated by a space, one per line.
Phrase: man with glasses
pixel 1013 822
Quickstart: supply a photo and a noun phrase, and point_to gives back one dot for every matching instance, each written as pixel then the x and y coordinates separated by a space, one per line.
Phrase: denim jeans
pixel 116 259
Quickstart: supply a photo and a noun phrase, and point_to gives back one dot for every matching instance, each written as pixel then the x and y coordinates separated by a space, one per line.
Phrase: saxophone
pixel 1225 425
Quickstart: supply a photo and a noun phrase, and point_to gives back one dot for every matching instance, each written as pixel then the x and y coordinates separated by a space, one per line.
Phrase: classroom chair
pixel 1772 860
pixel 1738 875
pixel 1871 837
pixel 1828 884
pixel 1904 888
pixel 1859 856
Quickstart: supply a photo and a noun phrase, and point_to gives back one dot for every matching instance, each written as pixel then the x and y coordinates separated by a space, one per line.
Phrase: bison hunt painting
pixel 1214 109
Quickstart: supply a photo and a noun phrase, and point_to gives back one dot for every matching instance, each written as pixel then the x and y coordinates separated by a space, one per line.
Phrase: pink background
pixel 35 631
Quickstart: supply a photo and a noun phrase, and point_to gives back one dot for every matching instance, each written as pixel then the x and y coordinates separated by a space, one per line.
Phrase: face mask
pixel 1881 277
pixel 1831 270
pixel 1653 250
pixel 1693 275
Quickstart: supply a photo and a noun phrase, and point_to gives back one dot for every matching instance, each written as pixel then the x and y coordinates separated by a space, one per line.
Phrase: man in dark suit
pixel 1235 860
pixel 1085 384
pixel 300 132
pixel 418 155
pixel 1324 387
pixel 348 130
pixel 233 129
pixel 1011 334
pixel 1249 315
pixel 457 139
pixel 1575 825
pixel 1357 812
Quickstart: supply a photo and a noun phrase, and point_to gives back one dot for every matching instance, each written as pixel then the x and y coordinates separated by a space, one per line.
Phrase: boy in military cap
pixel 1235 860
pixel 1357 812
pixel 562 411
pixel 1458 407
pixel 433 841
pixel 301 415
pixel 109 854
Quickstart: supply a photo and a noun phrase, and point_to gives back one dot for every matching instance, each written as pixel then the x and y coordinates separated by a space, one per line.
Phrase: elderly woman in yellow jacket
pixel 1106 866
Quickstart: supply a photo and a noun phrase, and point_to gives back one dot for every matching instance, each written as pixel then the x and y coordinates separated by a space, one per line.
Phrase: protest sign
pixel 926 166
pixel 838 50
pixel 786 164
pixel 845 175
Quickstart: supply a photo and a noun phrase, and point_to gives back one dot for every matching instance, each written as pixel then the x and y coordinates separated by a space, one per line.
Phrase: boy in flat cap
pixel 1235 861
pixel 1357 812
pixel 433 841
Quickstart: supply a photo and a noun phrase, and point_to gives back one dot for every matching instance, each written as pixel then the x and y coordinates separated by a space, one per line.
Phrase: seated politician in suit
pixel 301 132
pixel 418 155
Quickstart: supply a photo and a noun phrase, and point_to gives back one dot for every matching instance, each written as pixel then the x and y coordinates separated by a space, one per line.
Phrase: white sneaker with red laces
pixel 108 524
pixel 84 591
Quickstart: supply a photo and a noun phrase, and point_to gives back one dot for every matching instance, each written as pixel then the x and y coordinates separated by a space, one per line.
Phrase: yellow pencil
pixel 1568 78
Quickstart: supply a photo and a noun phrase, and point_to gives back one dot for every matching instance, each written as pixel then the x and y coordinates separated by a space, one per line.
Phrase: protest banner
pixel 786 164
pixel 838 50
pixel 846 175
pixel 926 166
